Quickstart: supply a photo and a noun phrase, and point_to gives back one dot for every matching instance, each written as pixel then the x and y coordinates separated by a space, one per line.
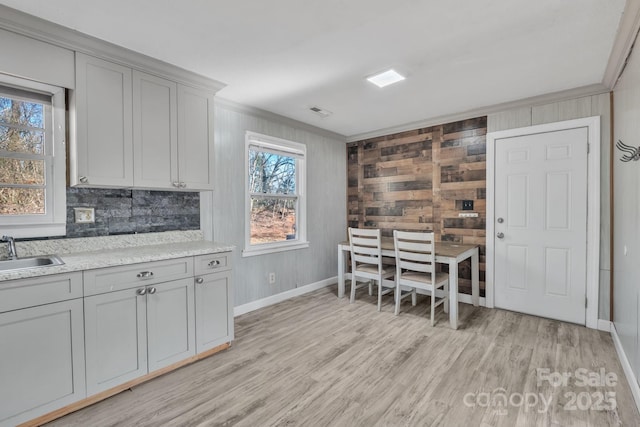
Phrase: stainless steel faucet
pixel 13 254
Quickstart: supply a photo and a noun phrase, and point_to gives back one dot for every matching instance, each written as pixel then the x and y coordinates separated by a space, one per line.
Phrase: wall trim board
pixel 623 43
pixel 626 366
pixel 590 90
pixel 283 296
pixel 593 208
pixel 268 115
pixel 605 325
pixel 58 35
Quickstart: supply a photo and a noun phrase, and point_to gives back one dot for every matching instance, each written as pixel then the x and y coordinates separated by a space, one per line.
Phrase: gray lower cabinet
pixel 41 360
pixel 214 325
pixel 115 339
pixel 135 331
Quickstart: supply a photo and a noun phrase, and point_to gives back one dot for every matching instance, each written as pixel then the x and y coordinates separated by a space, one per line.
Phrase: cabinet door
pixel 116 339
pixel 42 360
pixel 101 153
pixel 214 310
pixel 195 138
pixel 155 132
pixel 170 323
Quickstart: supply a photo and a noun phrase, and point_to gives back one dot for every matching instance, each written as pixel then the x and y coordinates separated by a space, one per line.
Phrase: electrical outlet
pixel 467 205
pixel 272 278
pixel 84 215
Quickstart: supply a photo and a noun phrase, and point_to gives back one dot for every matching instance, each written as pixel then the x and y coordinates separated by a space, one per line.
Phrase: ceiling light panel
pixel 386 78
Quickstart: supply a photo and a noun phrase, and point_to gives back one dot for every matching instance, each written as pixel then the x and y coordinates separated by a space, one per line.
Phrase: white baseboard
pixel 605 325
pixel 626 366
pixel 283 296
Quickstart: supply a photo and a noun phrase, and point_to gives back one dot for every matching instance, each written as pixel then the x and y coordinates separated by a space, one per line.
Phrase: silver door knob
pixel 141 291
pixel 152 290
pixel 500 235
pixel 199 280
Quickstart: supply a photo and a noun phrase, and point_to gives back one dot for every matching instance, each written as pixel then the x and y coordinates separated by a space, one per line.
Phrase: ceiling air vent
pixel 321 112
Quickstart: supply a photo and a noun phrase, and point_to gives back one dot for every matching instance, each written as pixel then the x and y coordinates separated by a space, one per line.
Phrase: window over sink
pixel 32 159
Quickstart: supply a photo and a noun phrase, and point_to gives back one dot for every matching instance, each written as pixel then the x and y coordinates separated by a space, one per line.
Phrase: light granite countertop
pixel 89 260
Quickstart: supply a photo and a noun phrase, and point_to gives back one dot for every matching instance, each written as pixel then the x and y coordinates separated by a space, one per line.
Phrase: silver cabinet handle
pixel 145 274
pixel 83 179
pixel 152 290
pixel 199 280
pixel 175 184
pixel 214 263
pixel 183 185
pixel 141 291
pixel 500 235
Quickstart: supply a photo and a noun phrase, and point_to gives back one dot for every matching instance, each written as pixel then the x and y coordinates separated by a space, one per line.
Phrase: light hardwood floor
pixel 316 360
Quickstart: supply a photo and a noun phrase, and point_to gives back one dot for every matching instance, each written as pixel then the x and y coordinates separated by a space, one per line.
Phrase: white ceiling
pixel 285 56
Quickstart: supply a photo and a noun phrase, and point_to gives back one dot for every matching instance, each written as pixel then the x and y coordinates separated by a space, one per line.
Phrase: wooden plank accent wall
pixel 417 180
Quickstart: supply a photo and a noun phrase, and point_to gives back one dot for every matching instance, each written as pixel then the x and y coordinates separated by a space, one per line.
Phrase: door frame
pixel 593 206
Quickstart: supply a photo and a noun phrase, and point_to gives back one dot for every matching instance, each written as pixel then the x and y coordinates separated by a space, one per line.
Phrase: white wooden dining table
pixel 446 253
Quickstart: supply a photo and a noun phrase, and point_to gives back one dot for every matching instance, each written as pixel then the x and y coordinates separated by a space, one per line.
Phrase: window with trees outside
pixel 32 164
pixel 275 195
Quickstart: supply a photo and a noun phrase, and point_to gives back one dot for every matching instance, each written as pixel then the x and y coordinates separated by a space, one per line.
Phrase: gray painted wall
pixel 626 179
pixel 588 106
pixel 326 203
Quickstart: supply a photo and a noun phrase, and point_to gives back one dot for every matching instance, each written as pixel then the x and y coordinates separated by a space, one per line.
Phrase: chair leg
pixel 353 290
pixel 380 295
pixel 446 297
pixel 414 297
pixel 370 287
pixel 398 294
pixel 433 306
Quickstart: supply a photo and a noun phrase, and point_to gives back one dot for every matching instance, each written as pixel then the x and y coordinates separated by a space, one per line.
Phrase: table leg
pixel 475 278
pixel 453 293
pixel 341 266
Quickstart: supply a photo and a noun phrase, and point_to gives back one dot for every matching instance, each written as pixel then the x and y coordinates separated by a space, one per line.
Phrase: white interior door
pixel 541 224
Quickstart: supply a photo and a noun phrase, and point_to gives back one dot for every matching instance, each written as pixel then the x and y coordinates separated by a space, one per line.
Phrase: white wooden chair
pixel 415 268
pixel 366 262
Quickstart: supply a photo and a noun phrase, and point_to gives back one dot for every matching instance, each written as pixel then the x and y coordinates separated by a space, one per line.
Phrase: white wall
pixel 626 274
pixel 596 105
pixel 326 202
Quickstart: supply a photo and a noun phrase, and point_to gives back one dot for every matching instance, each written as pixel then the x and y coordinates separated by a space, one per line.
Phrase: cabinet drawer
pixel 205 264
pixel 129 276
pixel 23 293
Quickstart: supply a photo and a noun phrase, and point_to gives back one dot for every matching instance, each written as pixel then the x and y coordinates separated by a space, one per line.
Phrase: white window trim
pixel 298 150
pixel 55 223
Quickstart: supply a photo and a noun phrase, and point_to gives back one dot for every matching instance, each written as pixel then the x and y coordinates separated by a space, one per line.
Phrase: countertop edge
pixel 116 257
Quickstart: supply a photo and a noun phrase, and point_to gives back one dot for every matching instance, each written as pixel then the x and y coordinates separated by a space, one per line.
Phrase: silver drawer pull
pixel 199 280
pixel 152 290
pixel 145 274
pixel 214 263
pixel 141 291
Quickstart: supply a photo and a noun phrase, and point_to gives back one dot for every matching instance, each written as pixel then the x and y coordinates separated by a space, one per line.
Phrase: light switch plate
pixel 468 215
pixel 84 215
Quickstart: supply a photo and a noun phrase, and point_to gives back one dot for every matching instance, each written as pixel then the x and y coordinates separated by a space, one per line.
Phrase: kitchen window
pixel 32 159
pixel 274 194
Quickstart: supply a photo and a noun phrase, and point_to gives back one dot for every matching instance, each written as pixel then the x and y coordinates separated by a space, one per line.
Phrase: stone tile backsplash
pixel 120 211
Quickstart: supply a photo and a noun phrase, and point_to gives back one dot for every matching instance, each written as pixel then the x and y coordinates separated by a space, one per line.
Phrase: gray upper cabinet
pixel 135 129
pixel 195 138
pixel 101 151
pixel 41 347
pixel 155 132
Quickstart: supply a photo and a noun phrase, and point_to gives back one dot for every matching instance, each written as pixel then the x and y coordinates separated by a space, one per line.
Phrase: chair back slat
pixel 414 251
pixel 365 247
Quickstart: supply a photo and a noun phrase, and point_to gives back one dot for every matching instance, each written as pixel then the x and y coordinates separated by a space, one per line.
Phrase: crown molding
pixel 623 43
pixel 595 89
pixel 268 115
pixel 52 33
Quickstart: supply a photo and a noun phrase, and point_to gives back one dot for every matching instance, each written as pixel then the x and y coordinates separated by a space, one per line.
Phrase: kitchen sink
pixel 32 262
